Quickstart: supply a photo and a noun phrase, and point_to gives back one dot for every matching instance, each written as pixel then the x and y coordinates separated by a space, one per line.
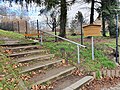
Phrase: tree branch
pixel 47 21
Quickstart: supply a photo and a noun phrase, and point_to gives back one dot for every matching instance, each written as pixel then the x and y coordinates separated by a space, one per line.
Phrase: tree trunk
pixel 103 25
pixel 53 26
pixel 112 27
pixel 103 18
pixel 92 12
pixel 81 34
pixel 63 18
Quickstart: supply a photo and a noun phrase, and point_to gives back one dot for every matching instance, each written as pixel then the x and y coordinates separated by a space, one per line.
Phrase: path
pixel 37 66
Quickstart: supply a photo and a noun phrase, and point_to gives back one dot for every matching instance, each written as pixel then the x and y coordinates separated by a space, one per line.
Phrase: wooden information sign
pixel 92 30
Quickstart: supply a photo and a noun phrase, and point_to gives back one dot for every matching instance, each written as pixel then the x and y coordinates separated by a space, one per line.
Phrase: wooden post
pixel 119 48
pixel 54 28
pixel 18 27
pixel 81 34
pixel 26 32
pixel 38 28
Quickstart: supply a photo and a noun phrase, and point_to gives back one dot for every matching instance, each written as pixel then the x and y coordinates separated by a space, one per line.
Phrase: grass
pixel 13 35
pixel 101 60
pixel 2 42
pixel 11 77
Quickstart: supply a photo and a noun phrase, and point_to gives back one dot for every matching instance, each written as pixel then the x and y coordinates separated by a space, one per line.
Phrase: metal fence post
pixel 93 57
pixel 78 49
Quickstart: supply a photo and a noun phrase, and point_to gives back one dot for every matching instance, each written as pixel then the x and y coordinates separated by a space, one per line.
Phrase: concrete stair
pixel 24 47
pixel 39 58
pixel 79 83
pixel 34 57
pixel 39 65
pixel 27 53
pixel 51 74
pixel 18 44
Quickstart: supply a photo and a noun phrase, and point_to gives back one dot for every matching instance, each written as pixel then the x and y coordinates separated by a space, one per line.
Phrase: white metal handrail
pixel 78 45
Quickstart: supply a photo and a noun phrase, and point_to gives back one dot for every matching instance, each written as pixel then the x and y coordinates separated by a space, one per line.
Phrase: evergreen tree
pixel 107 10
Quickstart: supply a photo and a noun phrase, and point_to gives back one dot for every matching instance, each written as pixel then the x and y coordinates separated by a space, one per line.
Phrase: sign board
pixel 92 30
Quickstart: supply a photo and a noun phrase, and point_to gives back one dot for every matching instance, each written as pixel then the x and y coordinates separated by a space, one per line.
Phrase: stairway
pixel 38 67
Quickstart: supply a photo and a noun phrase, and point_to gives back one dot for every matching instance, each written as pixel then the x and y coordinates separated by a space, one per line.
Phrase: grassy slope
pixel 13 35
pixel 101 59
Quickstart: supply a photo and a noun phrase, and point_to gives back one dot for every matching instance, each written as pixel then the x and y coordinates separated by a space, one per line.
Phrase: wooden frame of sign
pixel 92 30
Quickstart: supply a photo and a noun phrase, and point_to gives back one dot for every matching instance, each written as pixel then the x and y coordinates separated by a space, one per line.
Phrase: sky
pixel 34 11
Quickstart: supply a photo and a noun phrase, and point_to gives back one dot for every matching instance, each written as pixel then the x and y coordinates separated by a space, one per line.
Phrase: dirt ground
pixel 103 84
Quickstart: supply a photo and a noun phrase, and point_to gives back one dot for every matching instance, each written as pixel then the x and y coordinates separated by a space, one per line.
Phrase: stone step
pixel 39 65
pixel 35 57
pixel 79 83
pixel 18 44
pixel 51 74
pixel 27 52
pixel 66 81
pixel 24 47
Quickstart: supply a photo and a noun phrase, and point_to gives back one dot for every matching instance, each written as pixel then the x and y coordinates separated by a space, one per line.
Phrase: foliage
pixel 106 8
pixel 109 13
pixel 98 75
pixel 76 23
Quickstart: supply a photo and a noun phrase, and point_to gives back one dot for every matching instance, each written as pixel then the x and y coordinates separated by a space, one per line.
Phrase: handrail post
pixel 41 38
pixel 78 49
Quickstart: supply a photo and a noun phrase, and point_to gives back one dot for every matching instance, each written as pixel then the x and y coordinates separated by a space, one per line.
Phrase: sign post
pixel 93 57
pixel 92 30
